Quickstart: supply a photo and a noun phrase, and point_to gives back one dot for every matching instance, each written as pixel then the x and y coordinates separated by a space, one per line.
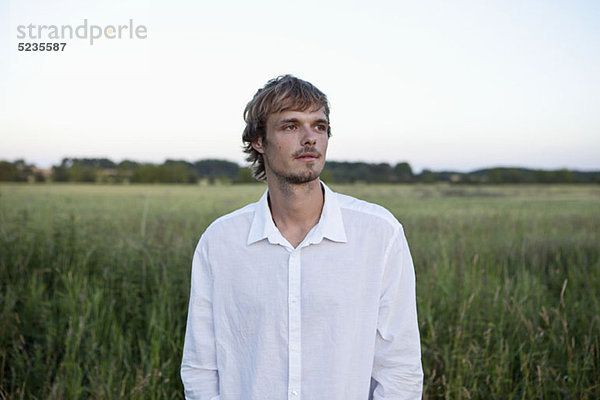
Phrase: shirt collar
pixel 330 225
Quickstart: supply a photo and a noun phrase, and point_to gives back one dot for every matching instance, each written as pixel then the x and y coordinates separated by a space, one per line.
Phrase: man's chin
pixel 301 179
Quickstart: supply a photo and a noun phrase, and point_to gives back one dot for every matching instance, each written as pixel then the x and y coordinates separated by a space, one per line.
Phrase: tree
pixel 244 176
pixel 216 169
pixel 145 173
pixel 403 172
pixel 8 172
pixel 427 176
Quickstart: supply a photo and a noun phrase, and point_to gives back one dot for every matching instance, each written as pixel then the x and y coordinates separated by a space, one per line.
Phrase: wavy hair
pixel 286 92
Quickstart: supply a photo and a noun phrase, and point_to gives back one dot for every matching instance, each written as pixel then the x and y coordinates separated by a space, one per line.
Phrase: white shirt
pixel 334 318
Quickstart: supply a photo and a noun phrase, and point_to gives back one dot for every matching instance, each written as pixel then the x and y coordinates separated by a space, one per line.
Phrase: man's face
pixel 295 146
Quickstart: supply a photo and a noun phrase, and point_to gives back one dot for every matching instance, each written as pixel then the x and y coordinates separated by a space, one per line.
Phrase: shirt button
pixel 294 393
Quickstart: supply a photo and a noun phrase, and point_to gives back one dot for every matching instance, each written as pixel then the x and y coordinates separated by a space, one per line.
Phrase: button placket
pixel 294 312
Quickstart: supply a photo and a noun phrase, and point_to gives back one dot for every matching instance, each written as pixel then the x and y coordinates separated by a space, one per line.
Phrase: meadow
pixel 94 285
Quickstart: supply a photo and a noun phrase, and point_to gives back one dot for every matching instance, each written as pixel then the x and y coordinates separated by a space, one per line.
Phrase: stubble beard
pixel 298 178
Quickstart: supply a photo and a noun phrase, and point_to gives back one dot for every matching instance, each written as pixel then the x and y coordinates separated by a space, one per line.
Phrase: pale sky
pixel 444 85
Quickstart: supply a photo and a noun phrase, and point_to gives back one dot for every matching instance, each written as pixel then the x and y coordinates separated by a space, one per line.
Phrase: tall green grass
pixel 95 282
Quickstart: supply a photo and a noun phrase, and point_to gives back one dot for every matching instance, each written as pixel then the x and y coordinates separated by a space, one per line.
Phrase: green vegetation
pixel 95 283
pixel 102 170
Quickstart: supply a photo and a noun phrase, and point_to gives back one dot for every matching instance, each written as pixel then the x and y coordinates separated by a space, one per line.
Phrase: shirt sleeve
pixel 199 361
pixel 397 371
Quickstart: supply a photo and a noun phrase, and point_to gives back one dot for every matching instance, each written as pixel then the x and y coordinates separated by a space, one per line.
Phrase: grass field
pixel 95 283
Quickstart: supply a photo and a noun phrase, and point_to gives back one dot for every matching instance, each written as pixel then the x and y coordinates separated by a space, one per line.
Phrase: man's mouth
pixel 307 157
pixel 307 154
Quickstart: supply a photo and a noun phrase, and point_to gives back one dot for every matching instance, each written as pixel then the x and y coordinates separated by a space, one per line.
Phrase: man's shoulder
pixel 233 221
pixel 365 209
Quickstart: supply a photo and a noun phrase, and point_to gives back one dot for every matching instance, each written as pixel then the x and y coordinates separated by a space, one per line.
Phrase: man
pixel 306 294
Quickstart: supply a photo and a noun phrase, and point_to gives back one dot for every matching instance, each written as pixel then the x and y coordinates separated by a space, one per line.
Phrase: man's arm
pixel 199 362
pixel 397 370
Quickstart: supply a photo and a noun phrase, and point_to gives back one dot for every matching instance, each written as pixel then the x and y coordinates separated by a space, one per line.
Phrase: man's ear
pixel 258 145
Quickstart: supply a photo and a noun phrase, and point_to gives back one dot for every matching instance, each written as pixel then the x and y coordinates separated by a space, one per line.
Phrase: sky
pixel 443 85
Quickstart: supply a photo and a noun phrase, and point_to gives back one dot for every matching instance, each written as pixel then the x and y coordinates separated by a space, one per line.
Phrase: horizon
pixel 247 165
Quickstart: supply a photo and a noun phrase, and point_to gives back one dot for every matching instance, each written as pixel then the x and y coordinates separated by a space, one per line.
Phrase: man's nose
pixel 309 136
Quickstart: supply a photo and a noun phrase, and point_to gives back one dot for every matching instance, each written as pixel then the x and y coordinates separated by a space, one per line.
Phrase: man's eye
pixel 289 127
pixel 322 128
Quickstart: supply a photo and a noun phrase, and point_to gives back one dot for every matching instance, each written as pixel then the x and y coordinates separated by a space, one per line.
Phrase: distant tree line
pixel 128 171
pixel 20 171
pixel 103 170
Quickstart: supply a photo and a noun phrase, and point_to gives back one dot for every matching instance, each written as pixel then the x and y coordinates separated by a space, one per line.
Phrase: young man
pixel 306 294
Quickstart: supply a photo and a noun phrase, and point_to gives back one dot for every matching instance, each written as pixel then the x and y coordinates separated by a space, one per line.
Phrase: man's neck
pixel 296 209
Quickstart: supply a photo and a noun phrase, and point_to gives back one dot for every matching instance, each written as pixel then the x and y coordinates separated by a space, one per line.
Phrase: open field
pixel 95 279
